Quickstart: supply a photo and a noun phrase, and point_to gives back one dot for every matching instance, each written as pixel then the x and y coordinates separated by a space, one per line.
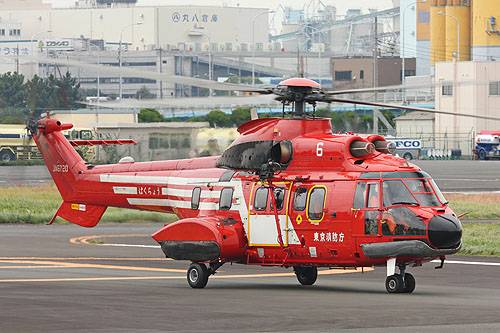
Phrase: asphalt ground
pixel 114 278
pixel 451 176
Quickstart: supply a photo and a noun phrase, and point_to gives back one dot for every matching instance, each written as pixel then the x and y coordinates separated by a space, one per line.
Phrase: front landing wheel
pixel 394 284
pixel 409 283
pixel 306 275
pixel 197 275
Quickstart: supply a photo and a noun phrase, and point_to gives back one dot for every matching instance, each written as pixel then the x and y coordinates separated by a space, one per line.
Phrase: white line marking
pixel 481 263
pixel 132 245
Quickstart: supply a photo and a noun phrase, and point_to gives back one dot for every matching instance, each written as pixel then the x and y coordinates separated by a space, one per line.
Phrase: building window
pixel 195 198
pixel 361 74
pixel 2 32
pixel 447 89
pixel 226 198
pixel 494 88
pixel 343 75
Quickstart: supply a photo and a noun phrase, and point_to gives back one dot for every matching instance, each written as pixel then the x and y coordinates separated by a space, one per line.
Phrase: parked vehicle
pixel 487 145
pixel 409 149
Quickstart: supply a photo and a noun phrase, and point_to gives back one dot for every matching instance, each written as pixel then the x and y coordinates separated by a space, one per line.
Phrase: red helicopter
pixel 288 192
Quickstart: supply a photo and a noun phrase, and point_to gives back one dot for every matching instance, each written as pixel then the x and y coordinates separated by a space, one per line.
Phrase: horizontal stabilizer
pixel 83 215
pixel 101 142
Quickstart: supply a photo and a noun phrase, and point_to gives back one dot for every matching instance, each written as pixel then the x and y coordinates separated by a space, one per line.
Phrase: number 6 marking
pixel 319 149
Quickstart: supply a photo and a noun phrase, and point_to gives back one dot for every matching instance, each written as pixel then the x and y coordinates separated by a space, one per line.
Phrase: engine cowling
pixel 205 239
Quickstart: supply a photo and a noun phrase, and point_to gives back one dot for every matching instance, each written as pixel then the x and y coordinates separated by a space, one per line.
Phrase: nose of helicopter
pixel 445 231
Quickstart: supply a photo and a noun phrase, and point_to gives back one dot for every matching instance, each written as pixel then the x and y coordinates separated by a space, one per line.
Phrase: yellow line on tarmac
pixel 79 265
pixel 322 272
pixel 86 239
pixel 82 258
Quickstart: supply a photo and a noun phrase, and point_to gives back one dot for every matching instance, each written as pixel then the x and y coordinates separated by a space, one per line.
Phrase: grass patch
pixel 35 205
pixel 481 239
pixel 23 162
pixel 479 206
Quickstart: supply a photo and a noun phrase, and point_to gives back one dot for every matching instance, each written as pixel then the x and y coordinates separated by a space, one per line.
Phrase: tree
pixel 12 92
pixel 240 116
pixel 65 91
pixel 39 94
pixel 150 116
pixel 217 118
pixel 143 93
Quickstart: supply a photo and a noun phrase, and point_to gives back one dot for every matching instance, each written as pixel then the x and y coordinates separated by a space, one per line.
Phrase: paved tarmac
pixel 114 278
pixel 451 176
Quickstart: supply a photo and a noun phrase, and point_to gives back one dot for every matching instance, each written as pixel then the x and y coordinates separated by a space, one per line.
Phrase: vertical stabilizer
pixel 63 162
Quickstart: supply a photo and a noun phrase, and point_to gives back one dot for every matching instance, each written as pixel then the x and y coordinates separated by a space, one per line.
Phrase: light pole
pixel 98 73
pixel 209 59
pixel 32 50
pixel 458 33
pixel 319 52
pixel 120 52
pixel 253 43
pixel 402 48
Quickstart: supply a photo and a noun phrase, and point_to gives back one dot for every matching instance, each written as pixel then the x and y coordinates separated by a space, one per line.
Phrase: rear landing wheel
pixel 409 283
pixel 394 284
pixel 306 275
pixel 197 275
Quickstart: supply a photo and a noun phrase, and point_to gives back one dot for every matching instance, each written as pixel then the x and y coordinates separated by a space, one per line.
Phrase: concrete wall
pixel 178 141
pixel 471 96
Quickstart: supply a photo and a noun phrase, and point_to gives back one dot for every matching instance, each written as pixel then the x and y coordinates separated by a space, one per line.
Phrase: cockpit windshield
pixel 418 192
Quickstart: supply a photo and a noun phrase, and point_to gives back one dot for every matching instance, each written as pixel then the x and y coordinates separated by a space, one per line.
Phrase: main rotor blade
pixel 406 107
pixel 183 104
pixel 185 80
pixel 366 90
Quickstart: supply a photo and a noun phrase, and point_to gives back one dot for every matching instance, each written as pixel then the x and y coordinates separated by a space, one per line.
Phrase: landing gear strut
pixel 198 273
pixel 399 283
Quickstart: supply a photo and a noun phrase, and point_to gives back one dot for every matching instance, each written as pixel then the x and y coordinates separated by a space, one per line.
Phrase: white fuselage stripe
pixel 133 179
pixel 124 190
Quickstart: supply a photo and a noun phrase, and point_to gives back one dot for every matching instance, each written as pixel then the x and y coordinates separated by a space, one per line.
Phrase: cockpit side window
pixel 438 191
pixel 395 192
pixel 360 196
pixel 373 200
pixel 261 195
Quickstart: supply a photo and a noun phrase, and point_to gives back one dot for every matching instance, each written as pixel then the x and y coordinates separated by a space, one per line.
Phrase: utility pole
pixel 375 74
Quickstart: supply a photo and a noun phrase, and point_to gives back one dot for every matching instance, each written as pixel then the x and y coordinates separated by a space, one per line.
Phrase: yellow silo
pixel 457 15
pixel 485 21
pixel 438 31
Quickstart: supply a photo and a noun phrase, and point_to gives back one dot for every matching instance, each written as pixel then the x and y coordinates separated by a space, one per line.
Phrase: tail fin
pixel 63 162
pixel 64 165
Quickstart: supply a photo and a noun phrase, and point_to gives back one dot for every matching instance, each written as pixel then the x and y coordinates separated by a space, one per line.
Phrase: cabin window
pixel 359 196
pixel 396 193
pixel 371 222
pixel 261 195
pixel 195 198
pixel 300 199
pixel 226 198
pixel 316 203
pixel 279 197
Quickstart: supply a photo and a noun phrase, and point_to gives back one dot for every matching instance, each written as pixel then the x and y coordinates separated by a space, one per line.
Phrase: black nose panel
pixel 445 231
